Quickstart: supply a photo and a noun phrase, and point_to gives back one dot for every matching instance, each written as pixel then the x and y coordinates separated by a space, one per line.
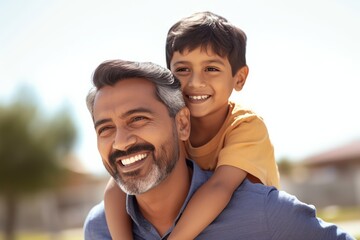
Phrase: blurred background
pixel 304 60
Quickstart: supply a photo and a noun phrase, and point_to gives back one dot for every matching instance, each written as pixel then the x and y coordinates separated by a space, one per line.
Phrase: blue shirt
pixel 254 212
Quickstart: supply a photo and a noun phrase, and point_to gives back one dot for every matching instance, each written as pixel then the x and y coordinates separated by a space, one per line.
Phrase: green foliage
pixel 339 214
pixel 32 146
pixel 31 150
pixel 285 166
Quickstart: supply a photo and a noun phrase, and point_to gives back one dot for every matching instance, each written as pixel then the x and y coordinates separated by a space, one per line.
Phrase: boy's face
pixel 206 80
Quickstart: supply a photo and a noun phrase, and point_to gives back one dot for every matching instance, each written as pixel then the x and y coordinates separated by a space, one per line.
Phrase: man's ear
pixel 240 78
pixel 182 119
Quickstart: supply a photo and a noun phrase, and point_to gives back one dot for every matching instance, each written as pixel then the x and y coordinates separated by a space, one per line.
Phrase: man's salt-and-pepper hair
pixel 167 86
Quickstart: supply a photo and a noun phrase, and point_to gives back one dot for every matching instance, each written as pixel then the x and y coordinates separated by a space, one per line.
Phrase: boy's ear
pixel 183 125
pixel 240 78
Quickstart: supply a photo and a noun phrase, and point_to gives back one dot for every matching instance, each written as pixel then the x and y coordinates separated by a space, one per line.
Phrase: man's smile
pixel 132 159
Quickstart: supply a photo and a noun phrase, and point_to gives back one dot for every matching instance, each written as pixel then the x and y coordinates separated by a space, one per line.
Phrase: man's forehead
pixel 126 95
pixel 133 82
pixel 129 87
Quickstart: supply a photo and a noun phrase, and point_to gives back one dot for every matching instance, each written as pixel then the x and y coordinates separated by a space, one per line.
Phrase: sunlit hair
pixel 208 31
pixel 167 86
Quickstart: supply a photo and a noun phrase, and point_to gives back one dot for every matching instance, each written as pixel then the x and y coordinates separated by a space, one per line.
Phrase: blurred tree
pixel 285 166
pixel 31 150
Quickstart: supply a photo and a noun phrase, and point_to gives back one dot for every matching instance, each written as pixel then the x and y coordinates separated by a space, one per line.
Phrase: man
pixel 141 121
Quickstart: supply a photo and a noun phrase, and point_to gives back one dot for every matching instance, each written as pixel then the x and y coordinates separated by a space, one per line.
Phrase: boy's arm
pixel 118 221
pixel 208 202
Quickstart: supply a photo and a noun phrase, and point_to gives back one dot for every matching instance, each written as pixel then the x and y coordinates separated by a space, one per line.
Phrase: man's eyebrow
pixel 126 114
pixel 136 110
pixel 102 121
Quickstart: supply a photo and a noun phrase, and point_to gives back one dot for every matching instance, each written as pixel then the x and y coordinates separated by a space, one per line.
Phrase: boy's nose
pixel 123 140
pixel 196 81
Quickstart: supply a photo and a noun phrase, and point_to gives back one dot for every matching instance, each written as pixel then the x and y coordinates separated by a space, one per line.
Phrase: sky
pixel 304 60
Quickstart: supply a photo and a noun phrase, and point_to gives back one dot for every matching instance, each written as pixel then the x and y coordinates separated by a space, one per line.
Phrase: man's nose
pixel 197 81
pixel 124 139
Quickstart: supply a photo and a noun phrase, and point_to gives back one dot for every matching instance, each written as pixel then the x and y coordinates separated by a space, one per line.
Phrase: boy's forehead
pixel 205 49
pixel 199 53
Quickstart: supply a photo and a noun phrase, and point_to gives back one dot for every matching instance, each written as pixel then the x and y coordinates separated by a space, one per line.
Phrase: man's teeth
pixel 201 97
pixel 133 159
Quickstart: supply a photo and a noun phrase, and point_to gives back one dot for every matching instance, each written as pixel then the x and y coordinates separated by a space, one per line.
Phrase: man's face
pixel 135 134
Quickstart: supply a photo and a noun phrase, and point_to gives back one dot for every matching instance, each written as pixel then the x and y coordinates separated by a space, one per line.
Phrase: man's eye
pixel 103 130
pixel 137 118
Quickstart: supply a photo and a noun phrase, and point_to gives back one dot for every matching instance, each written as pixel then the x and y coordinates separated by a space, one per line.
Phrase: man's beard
pixel 164 163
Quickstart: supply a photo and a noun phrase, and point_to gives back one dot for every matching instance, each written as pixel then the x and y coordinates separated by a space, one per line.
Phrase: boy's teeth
pixel 133 159
pixel 201 97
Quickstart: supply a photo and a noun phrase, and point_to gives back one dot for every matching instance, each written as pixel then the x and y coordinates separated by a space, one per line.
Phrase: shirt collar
pixel 198 178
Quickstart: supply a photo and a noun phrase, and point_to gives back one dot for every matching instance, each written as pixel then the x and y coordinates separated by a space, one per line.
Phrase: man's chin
pixel 134 188
pixel 135 185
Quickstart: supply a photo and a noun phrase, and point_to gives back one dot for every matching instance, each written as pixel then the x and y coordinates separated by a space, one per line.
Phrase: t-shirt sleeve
pixel 95 226
pixel 289 218
pixel 248 147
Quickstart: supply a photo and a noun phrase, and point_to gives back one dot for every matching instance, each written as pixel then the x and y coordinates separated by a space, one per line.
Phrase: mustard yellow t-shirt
pixel 243 142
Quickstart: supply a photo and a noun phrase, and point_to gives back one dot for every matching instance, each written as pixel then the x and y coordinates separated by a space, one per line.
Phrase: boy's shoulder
pixel 239 109
pixel 240 113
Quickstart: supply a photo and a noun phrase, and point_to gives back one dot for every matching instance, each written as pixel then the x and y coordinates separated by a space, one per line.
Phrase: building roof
pixel 347 152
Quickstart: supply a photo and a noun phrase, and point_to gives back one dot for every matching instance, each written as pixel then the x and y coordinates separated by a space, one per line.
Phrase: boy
pixel 207 54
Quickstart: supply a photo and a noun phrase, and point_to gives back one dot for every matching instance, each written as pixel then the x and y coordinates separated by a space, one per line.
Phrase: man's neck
pixel 161 205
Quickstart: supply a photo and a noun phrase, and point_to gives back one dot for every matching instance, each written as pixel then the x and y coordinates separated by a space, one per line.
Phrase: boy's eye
pixel 211 69
pixel 182 69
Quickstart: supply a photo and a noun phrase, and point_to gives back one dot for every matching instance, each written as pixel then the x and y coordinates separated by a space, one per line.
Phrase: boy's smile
pixel 199 98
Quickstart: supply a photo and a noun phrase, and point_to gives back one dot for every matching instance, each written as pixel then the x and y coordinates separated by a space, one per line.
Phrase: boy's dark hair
pixel 206 29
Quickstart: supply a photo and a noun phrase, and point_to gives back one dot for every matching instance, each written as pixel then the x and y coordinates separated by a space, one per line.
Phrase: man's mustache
pixel 132 150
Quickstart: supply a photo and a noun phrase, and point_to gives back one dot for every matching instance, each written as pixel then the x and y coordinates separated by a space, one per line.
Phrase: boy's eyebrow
pixel 218 61
pixel 128 113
